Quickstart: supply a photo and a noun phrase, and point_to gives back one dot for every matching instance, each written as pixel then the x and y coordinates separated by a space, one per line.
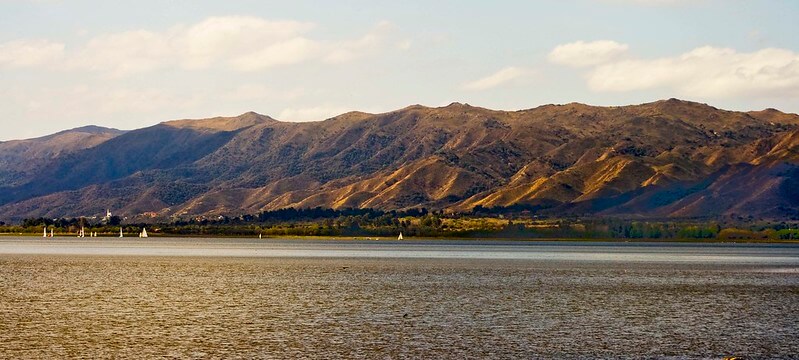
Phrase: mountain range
pixel 665 159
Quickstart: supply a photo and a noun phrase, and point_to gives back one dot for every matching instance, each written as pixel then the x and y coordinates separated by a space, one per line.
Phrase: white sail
pixel 400 236
pixel 51 232
pixel 143 233
pixel 45 232
pixel 120 232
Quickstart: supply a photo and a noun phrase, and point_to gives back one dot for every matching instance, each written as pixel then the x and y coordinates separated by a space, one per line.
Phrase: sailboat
pixel 260 236
pixel 45 232
pixel 81 233
pixel 51 232
pixel 143 233
pixel 400 236
pixel 120 232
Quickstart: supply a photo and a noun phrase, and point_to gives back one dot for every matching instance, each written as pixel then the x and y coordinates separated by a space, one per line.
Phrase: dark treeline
pixel 293 215
pixel 71 222
pixel 480 223
pixel 480 210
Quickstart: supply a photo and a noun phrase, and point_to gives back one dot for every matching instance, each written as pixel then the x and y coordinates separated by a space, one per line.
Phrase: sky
pixel 132 64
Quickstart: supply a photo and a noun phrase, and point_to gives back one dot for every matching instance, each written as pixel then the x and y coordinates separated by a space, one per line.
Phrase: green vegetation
pixel 422 223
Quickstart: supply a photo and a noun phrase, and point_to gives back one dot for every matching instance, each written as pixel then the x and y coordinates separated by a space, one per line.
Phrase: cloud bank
pixel 583 53
pixel 704 72
pixel 237 43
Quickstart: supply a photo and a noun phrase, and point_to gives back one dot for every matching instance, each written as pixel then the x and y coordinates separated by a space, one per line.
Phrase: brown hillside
pixel 667 158
pixel 22 158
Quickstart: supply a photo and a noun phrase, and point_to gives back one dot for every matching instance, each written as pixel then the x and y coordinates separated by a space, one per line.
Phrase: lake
pixel 239 298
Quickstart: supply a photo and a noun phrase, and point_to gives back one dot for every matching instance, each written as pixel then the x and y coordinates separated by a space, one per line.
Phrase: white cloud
pixel 30 53
pixel 239 43
pixel 287 52
pixel 705 72
pixel 226 33
pixel 581 53
pixel 125 53
pixel 498 78
pixel 312 113
pixel 244 42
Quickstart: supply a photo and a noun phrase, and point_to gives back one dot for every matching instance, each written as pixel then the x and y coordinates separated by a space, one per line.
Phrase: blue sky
pixel 127 65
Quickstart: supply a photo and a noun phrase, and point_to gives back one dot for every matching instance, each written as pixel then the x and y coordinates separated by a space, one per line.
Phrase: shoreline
pixel 412 239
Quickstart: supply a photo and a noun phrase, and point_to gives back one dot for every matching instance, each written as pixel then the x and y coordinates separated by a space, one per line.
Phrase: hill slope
pixel 669 158
pixel 22 158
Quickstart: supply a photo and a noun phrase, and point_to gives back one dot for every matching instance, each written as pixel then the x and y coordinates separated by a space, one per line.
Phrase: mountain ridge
pixel 21 158
pixel 572 159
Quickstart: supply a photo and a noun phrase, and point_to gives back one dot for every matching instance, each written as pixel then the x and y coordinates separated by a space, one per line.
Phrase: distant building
pixel 107 217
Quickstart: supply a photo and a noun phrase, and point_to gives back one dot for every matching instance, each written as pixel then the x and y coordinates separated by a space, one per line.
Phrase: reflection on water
pixel 459 305
pixel 551 250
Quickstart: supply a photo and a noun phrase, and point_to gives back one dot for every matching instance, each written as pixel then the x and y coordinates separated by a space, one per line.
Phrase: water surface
pixel 440 249
pixel 199 298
